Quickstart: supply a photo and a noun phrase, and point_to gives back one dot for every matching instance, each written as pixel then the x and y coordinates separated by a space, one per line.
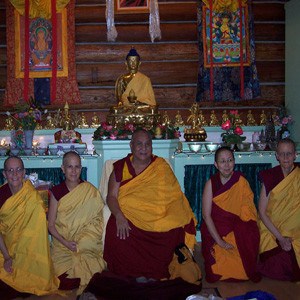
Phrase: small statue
pixel 238 121
pixel 134 80
pixel 250 119
pixel 202 121
pixel 38 126
pixel 166 119
pixel 50 122
pixel 213 119
pixel 178 120
pixel 225 116
pixel 95 121
pixel 9 124
pixel 83 122
pixel 275 118
pixel 263 118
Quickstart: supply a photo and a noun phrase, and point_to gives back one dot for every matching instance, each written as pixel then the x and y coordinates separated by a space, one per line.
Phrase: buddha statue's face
pixel 133 63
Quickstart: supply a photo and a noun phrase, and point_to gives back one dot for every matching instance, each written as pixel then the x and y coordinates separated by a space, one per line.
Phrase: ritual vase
pixel 28 138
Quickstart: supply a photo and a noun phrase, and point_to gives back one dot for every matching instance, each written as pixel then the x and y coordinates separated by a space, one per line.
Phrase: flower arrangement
pixel 107 131
pixel 28 115
pixel 233 134
pixel 283 118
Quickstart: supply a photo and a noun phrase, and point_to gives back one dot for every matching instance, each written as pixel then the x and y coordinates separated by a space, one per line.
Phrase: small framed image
pixel 131 6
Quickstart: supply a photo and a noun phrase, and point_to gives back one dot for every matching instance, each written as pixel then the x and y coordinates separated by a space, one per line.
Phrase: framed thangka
pixel 40 46
pixel 224 32
pixel 131 6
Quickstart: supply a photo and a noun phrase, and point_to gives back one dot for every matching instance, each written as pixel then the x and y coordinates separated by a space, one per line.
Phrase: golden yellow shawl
pixel 284 211
pixel 24 228
pixel 142 87
pixel 153 201
pixel 80 219
pixel 237 200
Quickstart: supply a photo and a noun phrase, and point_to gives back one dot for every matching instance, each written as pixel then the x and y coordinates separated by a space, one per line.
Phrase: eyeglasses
pixel 285 154
pixel 223 162
pixel 12 171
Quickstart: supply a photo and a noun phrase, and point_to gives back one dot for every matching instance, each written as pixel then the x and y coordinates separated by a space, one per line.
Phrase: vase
pixel 28 138
pixel 284 132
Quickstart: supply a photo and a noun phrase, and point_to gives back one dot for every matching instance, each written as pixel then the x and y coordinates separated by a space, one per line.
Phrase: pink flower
pixel 177 134
pixel 226 125
pixel 285 121
pixel 112 137
pixel 238 130
pixel 233 112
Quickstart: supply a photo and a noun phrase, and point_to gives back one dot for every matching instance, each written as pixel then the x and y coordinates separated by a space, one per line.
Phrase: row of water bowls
pixel 245 146
pixel 39 151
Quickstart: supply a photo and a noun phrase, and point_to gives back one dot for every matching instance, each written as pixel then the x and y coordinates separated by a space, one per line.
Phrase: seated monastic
pixel 150 218
pixel 279 212
pixel 25 263
pixel 76 224
pixel 230 235
pixel 134 82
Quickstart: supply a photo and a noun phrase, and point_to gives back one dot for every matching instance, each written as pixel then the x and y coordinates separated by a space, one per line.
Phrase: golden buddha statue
pixel 134 80
pixel 83 122
pixel 201 118
pixel 178 120
pixel 213 119
pixel 9 124
pixel 225 116
pixel 275 118
pixel 238 121
pixel 196 132
pixel 135 96
pixel 250 119
pixel 165 118
pixel 95 121
pixel 263 118
pixel 50 122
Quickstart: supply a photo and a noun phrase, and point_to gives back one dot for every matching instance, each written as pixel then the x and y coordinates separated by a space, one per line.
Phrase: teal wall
pixel 292 65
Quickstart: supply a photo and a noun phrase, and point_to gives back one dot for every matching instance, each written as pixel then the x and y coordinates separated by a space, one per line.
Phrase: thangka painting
pixel 131 6
pixel 223 32
pixel 227 68
pixel 40 46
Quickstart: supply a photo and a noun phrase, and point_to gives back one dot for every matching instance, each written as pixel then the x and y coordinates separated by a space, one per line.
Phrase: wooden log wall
pixel 171 63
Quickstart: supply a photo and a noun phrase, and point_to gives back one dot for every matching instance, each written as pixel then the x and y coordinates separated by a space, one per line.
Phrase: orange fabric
pixel 156 182
pixel 24 229
pixel 228 260
pixel 284 211
pixel 239 201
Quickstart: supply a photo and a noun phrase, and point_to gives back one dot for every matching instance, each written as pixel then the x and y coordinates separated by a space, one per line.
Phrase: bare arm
pixel 206 212
pixel 71 245
pixel 7 264
pixel 285 242
pixel 113 204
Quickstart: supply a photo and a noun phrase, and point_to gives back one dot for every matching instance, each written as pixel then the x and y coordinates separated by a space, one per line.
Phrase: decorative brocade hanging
pixel 227 70
pixel 38 8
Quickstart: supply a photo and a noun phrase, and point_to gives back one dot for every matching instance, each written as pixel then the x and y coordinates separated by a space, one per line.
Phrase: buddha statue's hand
pixel 123 227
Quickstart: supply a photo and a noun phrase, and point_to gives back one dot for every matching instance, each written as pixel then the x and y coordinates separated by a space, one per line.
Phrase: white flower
pixel 45 111
pixel 8 113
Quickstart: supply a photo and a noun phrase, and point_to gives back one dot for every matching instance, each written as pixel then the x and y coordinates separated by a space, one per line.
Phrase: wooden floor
pixel 279 289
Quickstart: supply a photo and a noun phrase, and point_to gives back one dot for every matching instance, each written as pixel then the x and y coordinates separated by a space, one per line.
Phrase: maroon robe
pixel 277 263
pixel 246 234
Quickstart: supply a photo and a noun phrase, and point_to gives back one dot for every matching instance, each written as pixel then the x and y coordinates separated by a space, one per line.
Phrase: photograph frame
pixel 62 48
pixel 132 8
